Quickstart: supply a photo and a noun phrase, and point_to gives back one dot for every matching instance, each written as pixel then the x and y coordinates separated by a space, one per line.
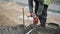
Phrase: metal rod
pixel 29 31
pixel 23 16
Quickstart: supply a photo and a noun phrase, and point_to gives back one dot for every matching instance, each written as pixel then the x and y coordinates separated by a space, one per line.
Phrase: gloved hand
pixel 30 14
pixel 35 20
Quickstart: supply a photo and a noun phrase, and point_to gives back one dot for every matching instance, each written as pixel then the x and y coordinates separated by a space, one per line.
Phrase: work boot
pixel 30 14
pixel 43 22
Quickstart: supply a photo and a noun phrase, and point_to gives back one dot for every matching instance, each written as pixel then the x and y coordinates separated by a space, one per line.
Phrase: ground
pixel 10 12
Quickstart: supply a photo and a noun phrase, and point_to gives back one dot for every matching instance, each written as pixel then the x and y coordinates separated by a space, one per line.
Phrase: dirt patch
pixel 6 21
pixel 9 12
pixel 12 11
pixel 53 19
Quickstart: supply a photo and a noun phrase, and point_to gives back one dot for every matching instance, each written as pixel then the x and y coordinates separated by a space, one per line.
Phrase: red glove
pixel 30 14
pixel 35 20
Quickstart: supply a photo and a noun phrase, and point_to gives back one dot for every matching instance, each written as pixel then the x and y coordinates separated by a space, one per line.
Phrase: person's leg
pixel 40 7
pixel 44 16
pixel 43 22
pixel 36 6
pixel 30 3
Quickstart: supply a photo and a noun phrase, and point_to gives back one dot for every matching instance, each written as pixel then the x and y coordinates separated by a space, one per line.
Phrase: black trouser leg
pixel 43 17
pixel 30 3
pixel 36 6
pixel 40 7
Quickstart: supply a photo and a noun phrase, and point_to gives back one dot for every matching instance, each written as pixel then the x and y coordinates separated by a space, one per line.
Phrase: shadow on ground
pixel 50 29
